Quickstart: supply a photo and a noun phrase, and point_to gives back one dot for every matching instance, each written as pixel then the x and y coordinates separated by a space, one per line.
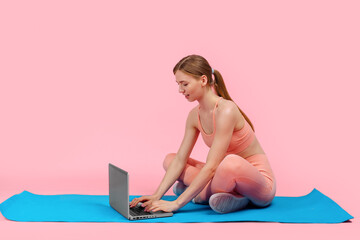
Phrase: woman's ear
pixel 204 80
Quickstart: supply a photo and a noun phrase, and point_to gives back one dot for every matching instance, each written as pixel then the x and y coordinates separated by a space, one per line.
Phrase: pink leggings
pixel 251 177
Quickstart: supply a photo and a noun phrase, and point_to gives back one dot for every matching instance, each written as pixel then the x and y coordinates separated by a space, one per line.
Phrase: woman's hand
pixel 146 199
pixel 166 206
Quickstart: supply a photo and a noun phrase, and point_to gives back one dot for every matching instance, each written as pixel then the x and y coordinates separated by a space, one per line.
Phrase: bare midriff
pixel 253 149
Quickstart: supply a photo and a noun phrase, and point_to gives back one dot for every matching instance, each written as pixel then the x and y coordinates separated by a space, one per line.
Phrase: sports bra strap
pixel 214 113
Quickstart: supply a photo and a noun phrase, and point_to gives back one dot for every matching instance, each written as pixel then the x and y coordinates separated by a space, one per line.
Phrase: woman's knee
pixel 230 164
pixel 168 159
pixel 267 200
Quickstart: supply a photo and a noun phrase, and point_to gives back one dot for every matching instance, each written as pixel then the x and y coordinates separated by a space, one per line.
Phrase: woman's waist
pixel 252 149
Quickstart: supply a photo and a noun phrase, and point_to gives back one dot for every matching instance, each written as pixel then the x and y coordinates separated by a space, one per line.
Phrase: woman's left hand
pixel 166 206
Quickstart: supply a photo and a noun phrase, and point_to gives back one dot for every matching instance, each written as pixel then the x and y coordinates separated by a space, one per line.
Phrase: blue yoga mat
pixel 28 207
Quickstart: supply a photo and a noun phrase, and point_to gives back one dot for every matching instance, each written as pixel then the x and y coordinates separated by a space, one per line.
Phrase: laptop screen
pixel 119 190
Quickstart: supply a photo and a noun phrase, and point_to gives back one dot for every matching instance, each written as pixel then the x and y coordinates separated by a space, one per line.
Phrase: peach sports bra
pixel 240 139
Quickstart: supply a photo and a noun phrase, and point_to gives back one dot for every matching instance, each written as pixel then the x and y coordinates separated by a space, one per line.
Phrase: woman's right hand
pixel 145 199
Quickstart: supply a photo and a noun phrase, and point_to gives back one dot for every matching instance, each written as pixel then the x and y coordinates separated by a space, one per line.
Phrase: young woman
pixel 236 171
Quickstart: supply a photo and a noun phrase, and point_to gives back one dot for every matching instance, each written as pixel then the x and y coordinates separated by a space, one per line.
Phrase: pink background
pixel 85 83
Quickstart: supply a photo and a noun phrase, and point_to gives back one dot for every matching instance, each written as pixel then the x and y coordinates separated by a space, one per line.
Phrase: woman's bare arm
pixel 179 162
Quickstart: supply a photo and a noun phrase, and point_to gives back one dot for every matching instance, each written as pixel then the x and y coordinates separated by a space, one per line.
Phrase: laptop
pixel 119 197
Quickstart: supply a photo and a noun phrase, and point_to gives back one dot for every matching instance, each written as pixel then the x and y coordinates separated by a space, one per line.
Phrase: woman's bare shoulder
pixel 192 116
pixel 227 108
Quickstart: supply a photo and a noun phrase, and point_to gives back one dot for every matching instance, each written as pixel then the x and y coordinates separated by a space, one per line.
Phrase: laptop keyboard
pixel 138 211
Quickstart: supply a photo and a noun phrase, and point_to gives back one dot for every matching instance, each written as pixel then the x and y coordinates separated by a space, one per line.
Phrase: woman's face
pixel 188 86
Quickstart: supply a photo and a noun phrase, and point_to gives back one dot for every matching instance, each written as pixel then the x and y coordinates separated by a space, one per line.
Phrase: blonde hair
pixel 196 66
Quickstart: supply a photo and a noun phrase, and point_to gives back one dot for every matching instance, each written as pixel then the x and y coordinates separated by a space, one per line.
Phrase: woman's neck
pixel 208 101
